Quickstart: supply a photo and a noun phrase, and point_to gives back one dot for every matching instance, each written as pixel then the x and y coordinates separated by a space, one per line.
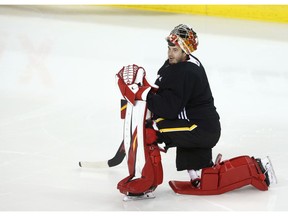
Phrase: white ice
pixel 59 104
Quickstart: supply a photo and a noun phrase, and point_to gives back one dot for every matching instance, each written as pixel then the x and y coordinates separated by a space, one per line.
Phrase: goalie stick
pixel 120 154
pixel 116 160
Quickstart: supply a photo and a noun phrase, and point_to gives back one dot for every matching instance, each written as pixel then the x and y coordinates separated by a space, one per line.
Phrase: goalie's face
pixel 176 55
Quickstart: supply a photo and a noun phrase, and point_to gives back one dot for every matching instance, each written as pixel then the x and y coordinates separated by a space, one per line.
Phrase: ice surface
pixel 59 104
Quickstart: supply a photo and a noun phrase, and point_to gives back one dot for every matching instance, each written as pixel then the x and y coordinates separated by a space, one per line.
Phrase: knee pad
pixel 151 136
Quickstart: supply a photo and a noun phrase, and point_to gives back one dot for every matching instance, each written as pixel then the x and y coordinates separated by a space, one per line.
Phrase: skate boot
pixel 266 167
pixel 195 182
pixel 141 196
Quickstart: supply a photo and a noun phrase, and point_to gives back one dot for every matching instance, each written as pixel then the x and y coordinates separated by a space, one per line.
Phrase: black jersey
pixel 184 93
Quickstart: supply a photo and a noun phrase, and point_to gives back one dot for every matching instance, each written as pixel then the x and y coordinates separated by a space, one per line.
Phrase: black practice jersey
pixel 184 93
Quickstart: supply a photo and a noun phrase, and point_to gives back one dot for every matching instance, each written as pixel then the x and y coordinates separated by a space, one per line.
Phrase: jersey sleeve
pixel 175 84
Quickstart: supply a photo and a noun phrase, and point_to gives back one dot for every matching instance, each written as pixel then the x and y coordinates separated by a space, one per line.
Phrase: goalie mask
pixel 184 37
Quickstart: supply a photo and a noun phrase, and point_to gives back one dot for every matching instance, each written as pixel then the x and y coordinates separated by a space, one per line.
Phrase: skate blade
pixel 269 169
pixel 149 195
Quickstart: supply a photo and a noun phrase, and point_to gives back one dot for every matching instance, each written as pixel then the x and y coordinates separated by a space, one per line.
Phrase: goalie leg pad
pixel 152 174
pixel 225 176
pixel 150 135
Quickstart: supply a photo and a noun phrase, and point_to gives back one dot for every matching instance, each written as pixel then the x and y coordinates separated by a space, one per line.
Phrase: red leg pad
pixel 152 174
pixel 225 176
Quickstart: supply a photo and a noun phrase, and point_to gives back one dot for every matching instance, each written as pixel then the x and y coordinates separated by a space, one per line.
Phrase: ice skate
pixel 267 169
pixel 142 196
pixel 195 182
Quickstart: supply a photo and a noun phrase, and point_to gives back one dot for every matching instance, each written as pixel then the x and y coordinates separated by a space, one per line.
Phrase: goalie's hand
pixel 133 92
pixel 141 92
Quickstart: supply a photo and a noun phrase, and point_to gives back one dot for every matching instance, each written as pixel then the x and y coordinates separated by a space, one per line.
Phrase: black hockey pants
pixel 194 144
